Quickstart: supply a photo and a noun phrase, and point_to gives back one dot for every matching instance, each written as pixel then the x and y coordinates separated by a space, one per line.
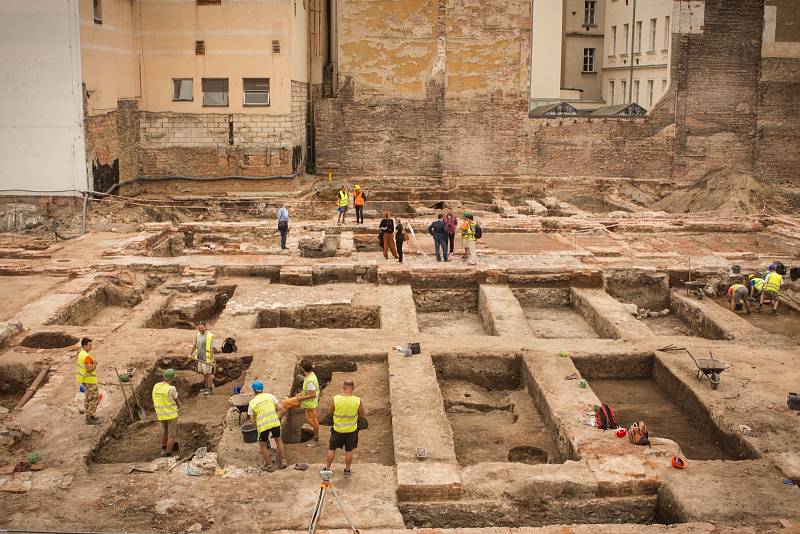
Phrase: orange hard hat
pixel 678 463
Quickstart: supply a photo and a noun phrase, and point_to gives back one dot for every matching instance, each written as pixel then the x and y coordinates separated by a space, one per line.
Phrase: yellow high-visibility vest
pixel 759 284
pixel 773 282
pixel 343 200
pixel 314 401
pixel 265 411
pixel 209 354
pixel 82 375
pixel 734 287
pixel 166 408
pixel 345 413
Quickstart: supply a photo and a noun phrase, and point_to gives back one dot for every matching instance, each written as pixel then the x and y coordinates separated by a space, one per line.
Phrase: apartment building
pixel 638 39
pixel 194 88
pixel 567 52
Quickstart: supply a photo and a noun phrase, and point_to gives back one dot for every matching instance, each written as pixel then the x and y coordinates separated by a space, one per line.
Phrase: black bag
pixel 780 268
pixel 229 345
pixel 380 240
pixel 478 231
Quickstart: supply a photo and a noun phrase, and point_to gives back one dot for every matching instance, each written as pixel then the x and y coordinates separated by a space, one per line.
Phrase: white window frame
pixel 611 92
pixel 176 90
pixel 626 28
pixel 650 93
pixel 97 11
pixel 245 92
pixel 653 26
pixel 667 33
pixel 227 92
pixel 624 86
pixel 589 56
pixel 635 95
pixel 590 13
pixel 613 40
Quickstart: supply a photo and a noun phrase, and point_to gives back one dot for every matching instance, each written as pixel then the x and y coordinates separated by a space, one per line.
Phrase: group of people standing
pixel 343 203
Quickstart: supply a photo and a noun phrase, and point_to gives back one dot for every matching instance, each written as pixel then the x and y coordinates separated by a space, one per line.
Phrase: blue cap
pixel 257 385
pixel 771 267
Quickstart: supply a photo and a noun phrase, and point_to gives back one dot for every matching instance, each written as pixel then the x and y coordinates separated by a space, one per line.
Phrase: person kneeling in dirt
pixel 308 399
pixel 738 293
pixel 346 410
pixel 203 350
pixel 167 407
pixel 266 412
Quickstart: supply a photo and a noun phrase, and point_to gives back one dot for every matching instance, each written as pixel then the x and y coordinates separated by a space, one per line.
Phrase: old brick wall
pixel 188 144
pixel 112 145
pixel 779 121
pixel 439 88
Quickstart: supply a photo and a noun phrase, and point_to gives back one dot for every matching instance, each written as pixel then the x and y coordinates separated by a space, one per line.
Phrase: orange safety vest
pixel 358 198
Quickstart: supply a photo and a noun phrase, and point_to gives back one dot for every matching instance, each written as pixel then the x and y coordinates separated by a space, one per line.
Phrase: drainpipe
pixel 633 40
pixel 32 388
pixel 309 103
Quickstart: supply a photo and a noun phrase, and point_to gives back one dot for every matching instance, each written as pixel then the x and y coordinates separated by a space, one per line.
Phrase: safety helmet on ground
pixel 257 385
pixel 169 374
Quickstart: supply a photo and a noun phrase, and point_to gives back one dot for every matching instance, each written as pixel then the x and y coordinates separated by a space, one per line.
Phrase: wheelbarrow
pixel 240 402
pixel 695 288
pixel 710 367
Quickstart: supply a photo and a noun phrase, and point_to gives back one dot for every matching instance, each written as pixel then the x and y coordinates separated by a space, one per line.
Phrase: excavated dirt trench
pixel 184 310
pixel 371 378
pixel 315 316
pixel 448 312
pixel 640 388
pixel 786 323
pixel 49 340
pixel 550 315
pixel 102 306
pixel 491 413
pixel 201 419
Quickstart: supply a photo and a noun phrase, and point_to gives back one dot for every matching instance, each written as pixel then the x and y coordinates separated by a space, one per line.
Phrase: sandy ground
pixel 417 451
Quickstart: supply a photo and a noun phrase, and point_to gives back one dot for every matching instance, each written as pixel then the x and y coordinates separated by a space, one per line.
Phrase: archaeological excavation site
pixel 552 246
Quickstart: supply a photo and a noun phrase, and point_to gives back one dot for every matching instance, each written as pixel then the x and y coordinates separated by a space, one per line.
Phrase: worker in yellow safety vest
pixel 342 201
pixel 772 288
pixel 203 351
pixel 469 238
pixel 346 409
pixel 739 293
pixel 756 284
pixel 167 407
pixel 266 412
pixel 86 375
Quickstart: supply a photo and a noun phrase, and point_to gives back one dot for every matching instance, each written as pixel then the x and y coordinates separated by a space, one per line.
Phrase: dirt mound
pixel 718 191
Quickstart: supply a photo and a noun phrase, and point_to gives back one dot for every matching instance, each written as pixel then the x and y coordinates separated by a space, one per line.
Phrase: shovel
pixel 124 395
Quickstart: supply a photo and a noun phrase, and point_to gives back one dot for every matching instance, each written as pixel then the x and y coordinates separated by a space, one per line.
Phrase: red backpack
pixel 604 417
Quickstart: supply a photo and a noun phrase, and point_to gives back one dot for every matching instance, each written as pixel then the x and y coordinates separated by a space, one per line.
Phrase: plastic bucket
pixel 415 349
pixel 249 433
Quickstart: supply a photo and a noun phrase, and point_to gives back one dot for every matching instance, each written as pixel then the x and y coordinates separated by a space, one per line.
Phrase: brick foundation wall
pixel 189 144
pixel 778 120
pixel 112 145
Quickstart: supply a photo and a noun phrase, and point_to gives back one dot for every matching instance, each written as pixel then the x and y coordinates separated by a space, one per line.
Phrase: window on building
pixel 256 91
pixel 588 59
pixel 667 33
pixel 611 93
pixel 638 38
pixel 589 13
pixel 215 92
pixel 613 40
pixel 625 31
pixel 209 2
pixel 635 95
pixel 653 24
pixel 623 85
pixel 97 5
pixel 182 89
pixel 200 48
pixel 650 84
pixel 663 86
pixel 276 47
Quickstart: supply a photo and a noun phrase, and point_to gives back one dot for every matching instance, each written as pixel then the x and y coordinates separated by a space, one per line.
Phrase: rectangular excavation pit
pixel 313 316
pixel 102 306
pixel 640 388
pixel 185 309
pixel 201 419
pixel 786 323
pixel 370 374
pixel 491 412
pixel 448 312
pixel 549 313
pixel 651 296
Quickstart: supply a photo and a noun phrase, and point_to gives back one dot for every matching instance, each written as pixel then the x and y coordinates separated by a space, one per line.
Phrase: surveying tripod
pixel 324 486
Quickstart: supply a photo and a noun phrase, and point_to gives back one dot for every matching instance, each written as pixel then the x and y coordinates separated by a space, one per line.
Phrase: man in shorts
pixel 342 202
pixel 346 410
pixel 265 412
pixel 739 293
pixel 203 351
pixel 167 407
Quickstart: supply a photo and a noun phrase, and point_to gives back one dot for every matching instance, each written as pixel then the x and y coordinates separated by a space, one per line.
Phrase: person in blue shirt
pixel 283 225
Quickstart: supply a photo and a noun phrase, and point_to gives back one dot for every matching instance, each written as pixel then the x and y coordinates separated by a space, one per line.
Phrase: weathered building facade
pixel 440 88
